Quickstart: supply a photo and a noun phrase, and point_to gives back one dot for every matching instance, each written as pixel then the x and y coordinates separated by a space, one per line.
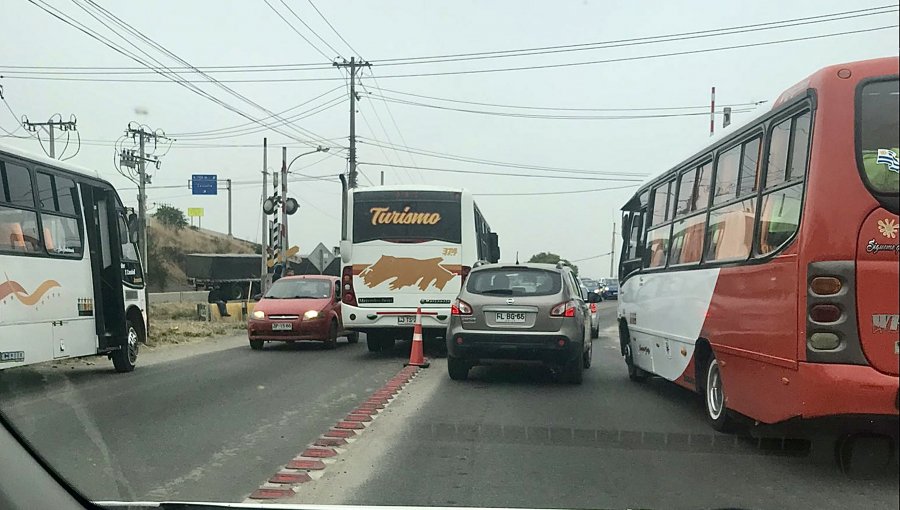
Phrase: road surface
pixel 214 421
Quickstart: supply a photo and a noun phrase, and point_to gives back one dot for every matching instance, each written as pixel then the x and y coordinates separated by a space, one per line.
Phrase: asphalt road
pixel 514 437
pixel 209 425
pixel 212 421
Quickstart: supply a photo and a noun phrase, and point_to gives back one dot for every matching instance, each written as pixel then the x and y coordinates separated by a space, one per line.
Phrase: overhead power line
pixel 503 174
pixel 475 71
pixel 553 193
pixel 506 164
pixel 326 43
pixel 288 23
pixel 704 107
pixel 653 39
pixel 332 27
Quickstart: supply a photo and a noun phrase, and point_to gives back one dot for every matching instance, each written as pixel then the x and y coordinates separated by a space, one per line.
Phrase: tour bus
pixel 406 247
pixel 762 271
pixel 71 282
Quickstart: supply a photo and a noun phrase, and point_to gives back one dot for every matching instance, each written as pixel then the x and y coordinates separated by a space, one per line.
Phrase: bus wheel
pixel 373 342
pixel 714 393
pixel 353 337
pixel 331 341
pixel 256 345
pixel 634 373
pixel 125 358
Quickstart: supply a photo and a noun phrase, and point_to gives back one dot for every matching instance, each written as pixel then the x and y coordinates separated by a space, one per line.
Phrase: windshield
pixel 879 136
pixel 515 282
pixel 407 216
pixel 296 289
pixel 356 254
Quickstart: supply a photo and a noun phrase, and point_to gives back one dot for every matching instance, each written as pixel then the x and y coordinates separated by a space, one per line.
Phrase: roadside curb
pixel 310 463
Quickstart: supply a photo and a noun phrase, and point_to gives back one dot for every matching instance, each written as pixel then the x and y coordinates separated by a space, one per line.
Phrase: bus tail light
pixel 825 313
pixel 566 309
pixel 349 295
pixel 460 307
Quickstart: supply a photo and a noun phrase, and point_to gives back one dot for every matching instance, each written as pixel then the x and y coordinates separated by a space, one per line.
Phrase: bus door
pixel 102 233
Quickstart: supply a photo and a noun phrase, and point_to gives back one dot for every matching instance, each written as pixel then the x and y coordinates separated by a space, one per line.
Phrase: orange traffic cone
pixel 417 353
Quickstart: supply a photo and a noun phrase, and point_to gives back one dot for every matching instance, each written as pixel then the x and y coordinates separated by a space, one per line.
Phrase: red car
pixel 299 308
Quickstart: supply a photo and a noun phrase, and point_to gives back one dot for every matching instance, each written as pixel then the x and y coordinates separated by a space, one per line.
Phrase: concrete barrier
pixel 191 296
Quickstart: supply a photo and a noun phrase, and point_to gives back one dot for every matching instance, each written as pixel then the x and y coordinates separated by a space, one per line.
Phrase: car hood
pixel 290 306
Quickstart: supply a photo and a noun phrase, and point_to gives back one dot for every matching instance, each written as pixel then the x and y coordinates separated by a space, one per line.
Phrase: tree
pixel 170 216
pixel 546 257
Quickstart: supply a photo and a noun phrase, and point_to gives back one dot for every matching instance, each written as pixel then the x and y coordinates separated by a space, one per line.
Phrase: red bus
pixel 762 272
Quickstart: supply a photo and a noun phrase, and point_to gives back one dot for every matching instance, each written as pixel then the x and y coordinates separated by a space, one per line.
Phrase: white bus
pixel 406 247
pixel 71 282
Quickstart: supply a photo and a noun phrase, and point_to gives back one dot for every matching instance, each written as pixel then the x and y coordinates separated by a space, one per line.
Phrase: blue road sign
pixel 204 184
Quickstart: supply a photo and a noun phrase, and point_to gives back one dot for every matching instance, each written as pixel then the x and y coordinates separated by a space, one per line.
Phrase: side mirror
pixel 345 251
pixel 133 224
pixel 494 247
pixel 257 297
pixel 593 297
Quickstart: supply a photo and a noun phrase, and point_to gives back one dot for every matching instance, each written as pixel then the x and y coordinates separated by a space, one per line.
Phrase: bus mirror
pixel 494 247
pixel 132 228
pixel 345 251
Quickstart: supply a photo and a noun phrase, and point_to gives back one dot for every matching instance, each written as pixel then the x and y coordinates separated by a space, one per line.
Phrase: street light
pixel 318 149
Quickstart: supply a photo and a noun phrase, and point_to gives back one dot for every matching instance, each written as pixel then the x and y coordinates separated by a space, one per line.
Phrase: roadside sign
pixel 320 257
pixel 195 212
pixel 204 184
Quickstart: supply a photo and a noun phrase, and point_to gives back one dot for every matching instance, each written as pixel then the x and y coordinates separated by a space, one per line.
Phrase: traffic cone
pixel 417 353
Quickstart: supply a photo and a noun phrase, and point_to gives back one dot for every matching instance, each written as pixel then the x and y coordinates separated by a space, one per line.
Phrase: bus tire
pixel 125 358
pixel 373 342
pixel 331 341
pixel 635 373
pixel 257 345
pixel 352 337
pixel 714 397
pixel 458 368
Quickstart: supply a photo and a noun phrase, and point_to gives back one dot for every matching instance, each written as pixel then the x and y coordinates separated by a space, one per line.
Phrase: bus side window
pixel 18 215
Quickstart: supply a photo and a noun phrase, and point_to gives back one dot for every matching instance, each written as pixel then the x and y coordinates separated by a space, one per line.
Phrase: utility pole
pixel 353 65
pixel 612 255
pixel 712 112
pixel 284 215
pixel 264 233
pixel 50 126
pixel 228 184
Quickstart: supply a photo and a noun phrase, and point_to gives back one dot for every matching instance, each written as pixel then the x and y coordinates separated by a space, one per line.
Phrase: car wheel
pixel 256 344
pixel 595 332
pixel 458 368
pixel 573 372
pixel 714 396
pixel 331 341
pixel 588 354
pixel 125 359
pixel 353 337
pixel 373 342
pixel 634 372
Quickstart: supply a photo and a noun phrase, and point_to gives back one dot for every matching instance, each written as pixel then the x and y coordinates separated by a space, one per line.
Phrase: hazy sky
pixel 249 33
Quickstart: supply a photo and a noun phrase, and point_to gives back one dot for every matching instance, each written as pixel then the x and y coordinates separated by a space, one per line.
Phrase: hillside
pixel 167 247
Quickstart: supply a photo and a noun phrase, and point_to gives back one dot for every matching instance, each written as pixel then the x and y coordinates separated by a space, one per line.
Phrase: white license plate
pixel 406 320
pixel 510 317
pixel 282 326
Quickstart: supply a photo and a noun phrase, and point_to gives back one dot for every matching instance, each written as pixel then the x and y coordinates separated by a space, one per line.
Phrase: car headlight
pixel 311 314
pixel 259 314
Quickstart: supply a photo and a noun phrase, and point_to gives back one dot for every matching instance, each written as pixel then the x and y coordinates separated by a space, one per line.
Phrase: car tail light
pixel 593 307
pixel 463 274
pixel 460 307
pixel 825 313
pixel 349 296
pixel 566 309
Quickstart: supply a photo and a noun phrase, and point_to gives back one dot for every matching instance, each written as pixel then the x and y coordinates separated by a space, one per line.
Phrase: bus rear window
pixel 407 216
pixel 879 135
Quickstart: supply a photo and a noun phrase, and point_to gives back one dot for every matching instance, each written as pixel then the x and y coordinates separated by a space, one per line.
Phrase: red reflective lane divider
pixel 281 484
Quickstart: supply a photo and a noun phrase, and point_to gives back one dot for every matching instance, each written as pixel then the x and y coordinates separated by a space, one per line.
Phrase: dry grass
pixel 176 323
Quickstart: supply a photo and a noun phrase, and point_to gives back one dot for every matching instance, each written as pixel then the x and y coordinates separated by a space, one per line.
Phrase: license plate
pixel 282 326
pixel 507 317
pixel 406 320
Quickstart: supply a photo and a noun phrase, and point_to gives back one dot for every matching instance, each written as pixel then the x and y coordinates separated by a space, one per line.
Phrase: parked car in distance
pixel 521 312
pixel 609 288
pixel 299 308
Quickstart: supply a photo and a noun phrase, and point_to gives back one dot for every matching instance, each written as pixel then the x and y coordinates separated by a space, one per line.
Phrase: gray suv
pixel 521 312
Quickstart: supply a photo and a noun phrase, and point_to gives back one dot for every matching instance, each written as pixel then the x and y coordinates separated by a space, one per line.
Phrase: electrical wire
pixel 506 164
pixel 553 193
pixel 472 172
pixel 397 127
pixel 295 28
pixel 330 47
pixel 332 27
